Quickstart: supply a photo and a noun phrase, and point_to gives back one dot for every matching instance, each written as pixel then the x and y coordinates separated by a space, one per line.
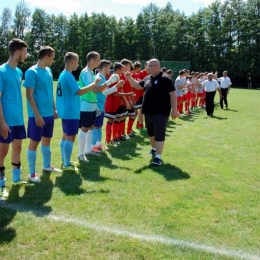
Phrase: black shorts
pixel 87 119
pixel 156 126
pixel 139 102
pixel 121 111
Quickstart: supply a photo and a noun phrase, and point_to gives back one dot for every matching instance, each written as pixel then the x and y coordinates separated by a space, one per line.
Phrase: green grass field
pixel 203 203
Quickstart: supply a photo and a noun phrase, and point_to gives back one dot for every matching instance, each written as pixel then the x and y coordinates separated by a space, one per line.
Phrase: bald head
pixel 154 67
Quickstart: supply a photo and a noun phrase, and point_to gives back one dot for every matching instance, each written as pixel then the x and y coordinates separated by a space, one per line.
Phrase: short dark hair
pixel 170 71
pixel 137 64
pixel 126 62
pixel 92 55
pixel 181 72
pixel 45 51
pixel 117 66
pixel 104 63
pixel 69 56
pixel 15 45
pixel 164 69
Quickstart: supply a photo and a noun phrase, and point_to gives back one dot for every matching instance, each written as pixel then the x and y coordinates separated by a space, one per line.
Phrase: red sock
pixel 130 125
pixel 123 128
pixel 108 132
pixel 137 124
pixel 141 126
pixel 115 129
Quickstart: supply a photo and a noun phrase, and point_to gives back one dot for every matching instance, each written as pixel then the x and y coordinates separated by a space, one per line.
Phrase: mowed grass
pixel 207 192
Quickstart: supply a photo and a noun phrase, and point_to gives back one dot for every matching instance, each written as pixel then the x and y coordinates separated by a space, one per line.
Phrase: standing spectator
pixel 225 85
pixel 159 102
pixel 211 85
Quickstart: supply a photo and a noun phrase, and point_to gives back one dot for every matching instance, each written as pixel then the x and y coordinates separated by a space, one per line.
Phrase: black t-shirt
pixel 156 94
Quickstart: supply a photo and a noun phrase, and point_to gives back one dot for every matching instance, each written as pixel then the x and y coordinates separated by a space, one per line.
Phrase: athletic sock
pixel 31 157
pixel 130 125
pixel 158 156
pixel 16 174
pixel 99 136
pixel 62 149
pixel 108 132
pixel 137 125
pixel 81 142
pixel 67 151
pixel 94 136
pixel 2 176
pixel 46 156
pixel 88 141
pixel 115 127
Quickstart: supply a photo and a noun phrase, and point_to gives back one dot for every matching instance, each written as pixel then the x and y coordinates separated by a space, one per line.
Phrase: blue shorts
pixel 99 120
pixel 36 133
pixel 17 132
pixel 70 126
pixel 87 119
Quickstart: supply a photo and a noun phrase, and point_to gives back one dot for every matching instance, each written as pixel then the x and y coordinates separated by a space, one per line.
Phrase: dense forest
pixel 223 36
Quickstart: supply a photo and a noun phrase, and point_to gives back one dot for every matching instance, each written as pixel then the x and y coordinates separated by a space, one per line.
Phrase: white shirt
pixel 210 86
pixel 224 82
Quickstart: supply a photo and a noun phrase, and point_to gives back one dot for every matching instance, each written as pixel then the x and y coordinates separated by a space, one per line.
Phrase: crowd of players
pixel 82 104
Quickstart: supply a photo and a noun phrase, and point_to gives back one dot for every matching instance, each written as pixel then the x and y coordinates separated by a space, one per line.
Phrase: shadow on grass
pixel 91 171
pixel 33 200
pixel 69 183
pixel 231 110
pixel 216 117
pixel 169 172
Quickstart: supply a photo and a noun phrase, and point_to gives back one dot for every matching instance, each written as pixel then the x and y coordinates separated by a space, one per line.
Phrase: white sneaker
pixel 83 158
pixel 34 178
pixel 93 153
pixel 51 169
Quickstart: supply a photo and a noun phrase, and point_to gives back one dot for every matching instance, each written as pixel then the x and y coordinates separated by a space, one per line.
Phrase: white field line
pixel 149 238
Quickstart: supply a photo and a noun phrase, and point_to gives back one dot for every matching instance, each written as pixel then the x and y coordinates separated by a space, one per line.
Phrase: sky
pixel 118 8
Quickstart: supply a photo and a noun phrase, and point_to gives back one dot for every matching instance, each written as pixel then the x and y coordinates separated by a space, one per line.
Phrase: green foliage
pixel 223 36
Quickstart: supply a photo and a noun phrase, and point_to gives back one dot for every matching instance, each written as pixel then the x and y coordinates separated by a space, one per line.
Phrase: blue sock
pixel 99 136
pixel 62 149
pixel 31 157
pixel 16 175
pixel 46 156
pixel 2 177
pixel 94 136
pixel 67 151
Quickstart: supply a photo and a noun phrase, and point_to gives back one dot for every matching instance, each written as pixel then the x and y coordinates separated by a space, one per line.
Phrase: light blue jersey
pixel 41 81
pixel 67 99
pixel 11 100
pixel 101 99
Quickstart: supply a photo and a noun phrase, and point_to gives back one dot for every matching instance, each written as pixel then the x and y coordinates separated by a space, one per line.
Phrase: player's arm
pixel 54 110
pixel 113 89
pixel 174 112
pixel 4 128
pixel 29 95
pixel 218 89
pixel 133 82
pixel 113 78
pixel 88 88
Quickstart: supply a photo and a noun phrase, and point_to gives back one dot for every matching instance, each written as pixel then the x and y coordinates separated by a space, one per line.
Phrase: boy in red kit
pixel 112 107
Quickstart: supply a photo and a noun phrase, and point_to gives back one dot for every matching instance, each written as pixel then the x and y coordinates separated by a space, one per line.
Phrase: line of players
pixel 190 91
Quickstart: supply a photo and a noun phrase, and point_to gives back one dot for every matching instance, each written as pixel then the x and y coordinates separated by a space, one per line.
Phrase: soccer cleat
pixel 93 153
pixel 3 193
pixel 69 168
pixel 102 147
pixel 125 136
pixel 132 134
pixel 144 130
pixel 157 161
pixel 112 143
pixel 17 183
pixel 95 150
pixel 34 178
pixel 152 152
pixel 51 169
pixel 82 158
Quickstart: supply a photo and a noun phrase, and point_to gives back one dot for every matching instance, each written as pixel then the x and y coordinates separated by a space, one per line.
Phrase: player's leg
pixel 84 124
pixel 4 147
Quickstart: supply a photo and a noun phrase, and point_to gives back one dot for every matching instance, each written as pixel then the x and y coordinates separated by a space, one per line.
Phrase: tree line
pixel 222 36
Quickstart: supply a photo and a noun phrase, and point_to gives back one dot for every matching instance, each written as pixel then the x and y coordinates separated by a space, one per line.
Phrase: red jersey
pixel 141 75
pixel 136 91
pixel 112 101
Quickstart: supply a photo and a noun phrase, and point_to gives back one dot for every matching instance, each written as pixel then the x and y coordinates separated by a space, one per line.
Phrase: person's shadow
pixel 168 171
pixel 33 200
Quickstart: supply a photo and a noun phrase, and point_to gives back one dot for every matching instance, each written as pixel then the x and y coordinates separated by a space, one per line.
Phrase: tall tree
pixel 21 20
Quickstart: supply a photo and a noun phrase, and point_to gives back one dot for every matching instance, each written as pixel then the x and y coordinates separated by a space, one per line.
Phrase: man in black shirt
pixel 158 104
